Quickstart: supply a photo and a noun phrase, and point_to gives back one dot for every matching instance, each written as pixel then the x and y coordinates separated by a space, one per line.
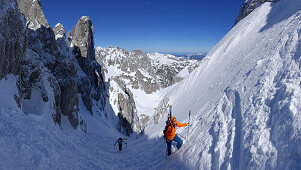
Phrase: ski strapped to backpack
pixel 168 121
pixel 188 125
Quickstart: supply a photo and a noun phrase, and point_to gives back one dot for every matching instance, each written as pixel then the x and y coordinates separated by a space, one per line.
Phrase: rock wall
pixel 12 38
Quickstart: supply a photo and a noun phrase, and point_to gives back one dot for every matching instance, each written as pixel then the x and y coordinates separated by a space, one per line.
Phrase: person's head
pixel 173 120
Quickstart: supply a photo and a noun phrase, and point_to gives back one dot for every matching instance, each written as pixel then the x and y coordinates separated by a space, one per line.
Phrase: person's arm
pixel 181 124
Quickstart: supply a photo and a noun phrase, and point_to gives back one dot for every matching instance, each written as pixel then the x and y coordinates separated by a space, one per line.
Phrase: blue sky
pixel 150 25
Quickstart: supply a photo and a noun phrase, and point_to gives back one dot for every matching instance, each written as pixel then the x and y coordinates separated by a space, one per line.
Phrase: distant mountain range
pixel 191 56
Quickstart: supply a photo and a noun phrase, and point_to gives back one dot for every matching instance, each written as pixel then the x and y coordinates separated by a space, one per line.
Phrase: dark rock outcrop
pixel 248 7
pixel 12 38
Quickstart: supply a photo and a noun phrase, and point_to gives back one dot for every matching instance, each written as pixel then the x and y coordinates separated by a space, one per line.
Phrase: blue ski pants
pixel 176 139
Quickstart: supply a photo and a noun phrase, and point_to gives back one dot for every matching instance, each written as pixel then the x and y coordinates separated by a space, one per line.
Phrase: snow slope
pixel 245 96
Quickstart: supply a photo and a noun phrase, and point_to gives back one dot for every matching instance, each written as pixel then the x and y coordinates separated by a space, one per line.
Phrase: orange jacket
pixel 171 130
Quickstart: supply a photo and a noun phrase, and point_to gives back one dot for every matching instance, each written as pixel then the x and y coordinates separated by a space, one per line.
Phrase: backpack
pixel 168 123
pixel 166 127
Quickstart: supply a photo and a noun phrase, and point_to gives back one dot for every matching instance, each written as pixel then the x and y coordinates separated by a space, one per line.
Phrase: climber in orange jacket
pixel 170 134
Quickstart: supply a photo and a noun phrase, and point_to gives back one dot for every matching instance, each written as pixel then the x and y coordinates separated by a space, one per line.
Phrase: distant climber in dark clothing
pixel 120 140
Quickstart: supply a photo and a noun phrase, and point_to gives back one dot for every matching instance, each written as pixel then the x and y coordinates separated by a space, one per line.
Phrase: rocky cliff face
pixel 248 7
pixel 12 38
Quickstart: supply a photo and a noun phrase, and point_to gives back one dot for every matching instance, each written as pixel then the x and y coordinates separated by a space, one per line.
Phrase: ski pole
pixel 189 122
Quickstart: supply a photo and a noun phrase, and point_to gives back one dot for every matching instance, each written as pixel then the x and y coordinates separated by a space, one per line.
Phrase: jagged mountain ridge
pixel 149 72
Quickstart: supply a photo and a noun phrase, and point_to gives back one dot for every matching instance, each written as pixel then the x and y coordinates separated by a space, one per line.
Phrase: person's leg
pixel 169 147
pixel 120 147
pixel 179 141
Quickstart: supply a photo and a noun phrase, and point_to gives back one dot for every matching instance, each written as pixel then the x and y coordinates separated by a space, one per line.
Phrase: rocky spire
pixel 59 31
pixel 82 39
pixel 82 36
